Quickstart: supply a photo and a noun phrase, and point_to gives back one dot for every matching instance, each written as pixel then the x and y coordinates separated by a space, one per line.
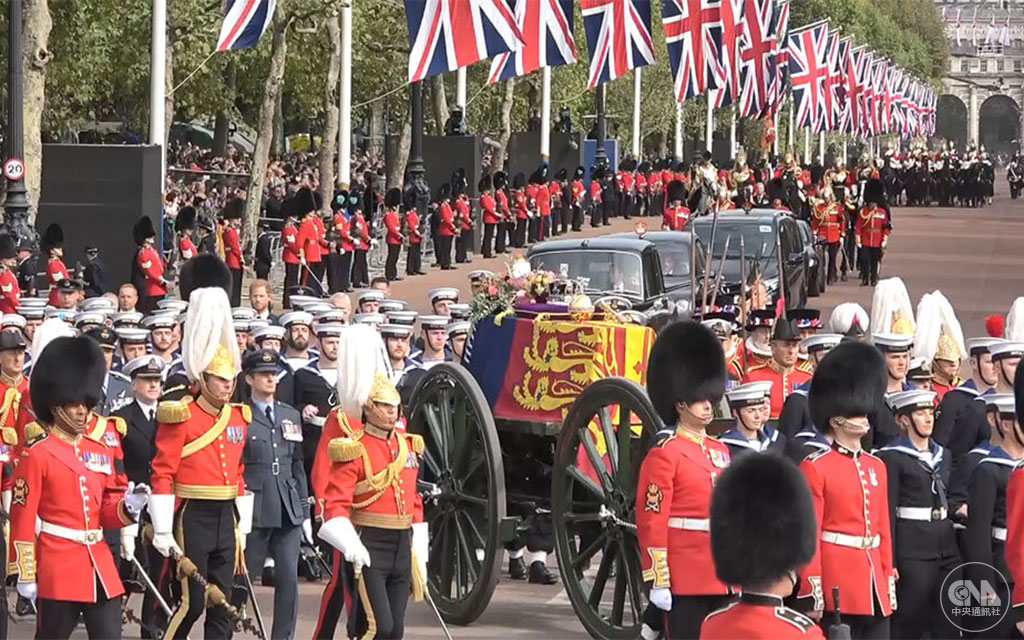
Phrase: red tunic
pixel 232 249
pixel 502 200
pixel 783 382
pixel 447 223
pixel 595 191
pixel 290 244
pixel 343 227
pixel 674 218
pixel 55 272
pixel 487 206
pixel 186 248
pixel 10 292
pixel 393 226
pixel 338 425
pixel 519 198
pixel 71 485
pixel 1013 550
pixel 673 501
pixel 543 200
pixel 827 222
pixel 872 227
pixel 412 224
pixel 109 432
pixel 759 617
pixel 555 194
pixel 360 232
pixel 152 268
pixel 309 240
pixel 462 206
pixel 531 199
pixel 577 193
pixel 850 495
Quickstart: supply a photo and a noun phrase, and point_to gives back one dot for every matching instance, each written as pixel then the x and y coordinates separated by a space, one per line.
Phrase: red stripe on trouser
pixel 336 582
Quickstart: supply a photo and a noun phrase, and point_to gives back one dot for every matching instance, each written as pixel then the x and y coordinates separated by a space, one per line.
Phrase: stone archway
pixel 951 120
pixel 999 121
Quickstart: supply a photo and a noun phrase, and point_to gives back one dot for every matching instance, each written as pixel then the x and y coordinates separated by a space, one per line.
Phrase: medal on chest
pixel 873 477
pixel 97 462
pixel 719 458
pixel 235 434
pixel 291 431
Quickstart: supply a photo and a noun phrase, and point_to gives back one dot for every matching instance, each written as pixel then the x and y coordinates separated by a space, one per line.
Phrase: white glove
pixel 340 534
pixel 128 535
pixel 161 512
pixel 421 545
pixel 307 531
pixel 136 496
pixel 244 505
pixel 165 545
pixel 28 590
pixel 661 597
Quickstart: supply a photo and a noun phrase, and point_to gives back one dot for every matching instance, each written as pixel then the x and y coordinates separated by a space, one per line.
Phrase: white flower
pixel 520 268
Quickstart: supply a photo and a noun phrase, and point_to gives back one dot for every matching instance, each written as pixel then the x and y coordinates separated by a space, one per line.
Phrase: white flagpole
pixel 460 89
pixel 807 145
pixel 345 97
pixel 636 113
pixel 709 123
pixel 679 131
pixel 545 113
pixel 844 151
pixel 791 132
pixel 732 134
pixel 821 148
pixel 775 142
pixel 157 81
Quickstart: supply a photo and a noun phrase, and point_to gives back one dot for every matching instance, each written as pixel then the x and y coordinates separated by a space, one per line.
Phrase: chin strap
pixel 64 422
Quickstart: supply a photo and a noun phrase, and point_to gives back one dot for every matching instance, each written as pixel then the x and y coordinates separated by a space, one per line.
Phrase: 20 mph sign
pixel 14 169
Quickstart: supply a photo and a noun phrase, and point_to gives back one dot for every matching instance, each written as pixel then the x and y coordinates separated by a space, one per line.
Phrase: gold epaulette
pixel 344 449
pixel 173 411
pixel 119 425
pixel 34 432
pixel 10 436
pixel 416 440
pixel 246 411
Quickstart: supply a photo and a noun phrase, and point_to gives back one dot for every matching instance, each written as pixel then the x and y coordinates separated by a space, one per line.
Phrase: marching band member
pixel 686 377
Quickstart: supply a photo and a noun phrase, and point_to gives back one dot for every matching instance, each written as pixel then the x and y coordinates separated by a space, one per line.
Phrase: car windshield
pixel 601 271
pixel 675 262
pixel 758 245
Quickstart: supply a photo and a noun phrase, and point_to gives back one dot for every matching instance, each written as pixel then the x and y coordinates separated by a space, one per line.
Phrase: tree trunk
pixel 498 159
pixel 277 142
pixel 440 103
pixel 328 147
pixel 168 83
pixel 396 172
pixel 376 132
pixel 223 121
pixel 36 32
pixel 663 138
pixel 264 131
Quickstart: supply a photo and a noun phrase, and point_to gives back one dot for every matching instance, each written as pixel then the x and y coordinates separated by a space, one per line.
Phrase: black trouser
pixel 333 261
pixel 595 214
pixel 58 618
pixel 577 217
pixel 501 240
pixel 833 253
pixel 533 234
pixel 488 246
pixel 566 214
pixel 864 627
pixel 870 257
pixel 520 239
pixel 205 531
pixel 360 272
pixel 510 231
pixel 413 259
pixel 281 544
pixel 605 213
pixel 688 613
pixel 467 242
pixel 437 248
pixel 291 278
pixel 920 600
pixel 385 585
pixel 236 287
pixel 537 537
pixel 345 269
pixel 312 276
pixel 337 595
pixel 460 247
pixel 158 568
pixel 262 270
pixel 444 257
pixel 391 264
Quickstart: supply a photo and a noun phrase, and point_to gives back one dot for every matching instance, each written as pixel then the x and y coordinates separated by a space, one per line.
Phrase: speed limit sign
pixel 14 169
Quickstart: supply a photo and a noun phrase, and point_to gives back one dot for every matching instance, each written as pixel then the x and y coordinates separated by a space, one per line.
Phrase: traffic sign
pixel 14 169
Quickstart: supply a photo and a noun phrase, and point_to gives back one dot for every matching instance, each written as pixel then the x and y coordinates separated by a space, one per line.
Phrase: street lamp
pixel 16 204
pixel 417 172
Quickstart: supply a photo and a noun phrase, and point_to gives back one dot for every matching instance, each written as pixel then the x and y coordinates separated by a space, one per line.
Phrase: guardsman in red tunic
pixel 543 219
pixel 150 265
pixel 311 256
pixel 596 196
pixel 559 212
pixel 685 377
pixel 445 227
pixel 761 554
pixel 290 254
pixel 521 203
pixel 488 208
pixel 197 468
pixel 10 292
pixel 65 491
pixel 360 239
pixel 51 245
pixel 464 224
pixel 640 183
pixel 372 486
pixel 504 229
pixel 578 195
pixel 1014 547
pixel 850 491
pixel 871 231
pixel 781 369
pixel 233 257
pixel 829 225
pixel 184 225
pixel 411 222
pixel 676 213
pixel 393 237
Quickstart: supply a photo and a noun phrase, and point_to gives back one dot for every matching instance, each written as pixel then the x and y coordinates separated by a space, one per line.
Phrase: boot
pixel 268 576
pixel 539 574
pixel 517 568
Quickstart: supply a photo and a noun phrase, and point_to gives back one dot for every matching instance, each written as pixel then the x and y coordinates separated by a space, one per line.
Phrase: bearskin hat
pixel 561 174
pixel 234 210
pixel 53 237
pixel 580 172
pixel 686 365
pixel 762 521
pixel 204 270
pixel 143 229
pixel 340 200
pixel 776 189
pixel 596 172
pixel 7 247
pixel 500 180
pixel 392 198
pixel 68 371
pixel 817 173
pixel 849 381
pixel 185 220
pixel 304 201
pixel 484 184
pixel 318 201
pixel 355 201
pixel 409 200
pixel 676 191
pixel 444 191
pixel 459 182
pixel 874 191
pixel 519 181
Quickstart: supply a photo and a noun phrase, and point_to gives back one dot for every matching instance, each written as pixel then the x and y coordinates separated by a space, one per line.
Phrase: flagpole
pixel 460 89
pixel 791 132
pixel 600 155
pixel 807 145
pixel 679 131
pixel 775 124
pixel 157 82
pixel 545 113
pixel 821 148
pixel 732 133
pixel 709 123
pixel 345 97
pixel 844 151
pixel 636 113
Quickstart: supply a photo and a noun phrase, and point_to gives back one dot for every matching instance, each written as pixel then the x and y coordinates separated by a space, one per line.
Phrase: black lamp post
pixel 600 128
pixel 416 170
pixel 16 205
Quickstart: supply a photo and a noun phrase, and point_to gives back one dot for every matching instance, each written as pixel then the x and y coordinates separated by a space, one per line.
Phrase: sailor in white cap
pixel 458 332
pixel 405 371
pixel 269 337
pixel 1006 356
pixel 33 318
pixel 919 375
pixel 243 335
pixel 373 319
pixel 435 341
pixel 960 423
pixel 369 301
pixel 87 320
pixel 126 319
pixel 441 297
pixel 161 334
pixel 314 388
pixel 751 431
pixel 173 304
pixel 963 467
pixel 298 325
pixel 795 421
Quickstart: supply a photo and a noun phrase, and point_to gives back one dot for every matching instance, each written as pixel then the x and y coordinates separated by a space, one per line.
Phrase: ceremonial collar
pixel 932 457
pixel 683 432
pixel 377 432
pixel 761 599
pixel 850 453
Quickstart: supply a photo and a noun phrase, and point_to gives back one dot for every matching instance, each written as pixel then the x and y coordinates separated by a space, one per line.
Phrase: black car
pixel 761 230
pixel 674 251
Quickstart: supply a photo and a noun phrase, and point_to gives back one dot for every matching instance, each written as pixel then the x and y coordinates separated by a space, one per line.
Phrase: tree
pixel 36 57
pixel 331 108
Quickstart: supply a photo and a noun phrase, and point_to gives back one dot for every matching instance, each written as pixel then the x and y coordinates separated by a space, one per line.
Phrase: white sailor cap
pixel 270 331
pixel 257 323
pixel 102 305
pixel 391 304
pixel 459 311
pixel 396 330
pixel 12 320
pixel 375 319
pixel 919 369
pixel 451 294
pixel 910 401
pixel 241 325
pixel 331 315
pixel 1007 349
pixel 428 323
pixel 297 302
pixel 31 313
pixel 243 313
pixel 172 304
pixel 126 317
pixel 407 318
pixel 297 317
pixel 981 345
pixel 132 335
pixel 459 328
pixel 370 295
pixel 33 303
pixel 147 366
pixel 893 342
pixel 821 342
pixel 313 308
pixel 478 275
pixel 160 321
pixel 1004 403
pixel 749 394
pixel 329 330
pixel 88 317
pixel 67 315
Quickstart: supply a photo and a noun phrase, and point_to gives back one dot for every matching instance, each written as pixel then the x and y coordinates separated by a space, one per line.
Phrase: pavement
pixel 972 255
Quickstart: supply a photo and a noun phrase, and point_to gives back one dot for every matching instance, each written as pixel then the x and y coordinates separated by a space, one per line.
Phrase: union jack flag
pixel 244 23
pixel 757 57
pixel 855 97
pixel 781 52
pixel 895 85
pixel 882 96
pixel 842 116
pixel 808 71
pixel 618 37
pixel 869 125
pixel 546 26
pixel 689 26
pixel 724 63
pixel 832 56
pixel 445 35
